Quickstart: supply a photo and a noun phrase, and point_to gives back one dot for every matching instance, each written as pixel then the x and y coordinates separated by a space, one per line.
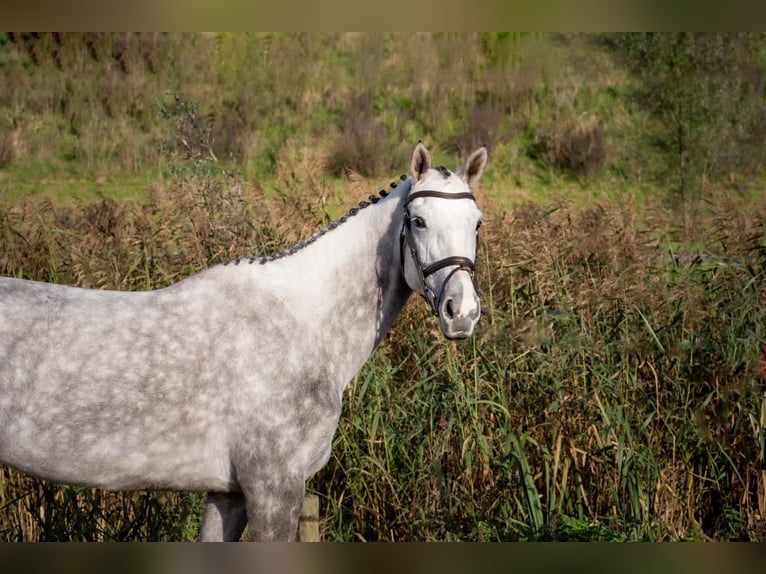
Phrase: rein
pixel 461 263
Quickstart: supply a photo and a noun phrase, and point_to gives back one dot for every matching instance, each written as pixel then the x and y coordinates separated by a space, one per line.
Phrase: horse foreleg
pixel 225 517
pixel 274 507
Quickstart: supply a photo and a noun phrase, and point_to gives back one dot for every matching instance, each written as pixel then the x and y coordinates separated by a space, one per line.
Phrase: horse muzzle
pixel 459 308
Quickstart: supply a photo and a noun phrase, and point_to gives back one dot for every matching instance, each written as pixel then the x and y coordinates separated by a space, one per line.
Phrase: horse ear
pixel 474 167
pixel 420 162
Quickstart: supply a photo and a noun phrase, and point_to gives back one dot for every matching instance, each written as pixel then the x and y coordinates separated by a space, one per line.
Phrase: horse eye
pixel 479 224
pixel 419 222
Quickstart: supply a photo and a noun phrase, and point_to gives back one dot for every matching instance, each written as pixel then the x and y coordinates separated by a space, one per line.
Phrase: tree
pixel 704 93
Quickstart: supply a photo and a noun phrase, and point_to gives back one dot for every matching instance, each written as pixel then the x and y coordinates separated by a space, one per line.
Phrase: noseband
pixel 424 271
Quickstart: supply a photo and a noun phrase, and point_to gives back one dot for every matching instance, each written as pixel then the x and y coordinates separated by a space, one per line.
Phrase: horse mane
pixel 263 259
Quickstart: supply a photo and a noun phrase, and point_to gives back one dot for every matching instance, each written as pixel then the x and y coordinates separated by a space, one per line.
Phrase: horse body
pixel 229 381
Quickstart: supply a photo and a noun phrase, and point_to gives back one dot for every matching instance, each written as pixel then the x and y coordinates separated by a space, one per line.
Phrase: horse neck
pixel 349 281
pixel 364 251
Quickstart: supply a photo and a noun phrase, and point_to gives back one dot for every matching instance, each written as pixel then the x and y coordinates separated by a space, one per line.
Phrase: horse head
pixel 439 239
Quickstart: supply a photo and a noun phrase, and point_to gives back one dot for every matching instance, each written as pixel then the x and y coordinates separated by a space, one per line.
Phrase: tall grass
pixel 610 394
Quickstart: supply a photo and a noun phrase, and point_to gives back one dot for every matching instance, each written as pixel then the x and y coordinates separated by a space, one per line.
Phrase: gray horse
pixel 231 381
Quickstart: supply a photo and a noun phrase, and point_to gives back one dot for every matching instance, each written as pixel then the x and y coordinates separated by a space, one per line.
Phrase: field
pixel 614 390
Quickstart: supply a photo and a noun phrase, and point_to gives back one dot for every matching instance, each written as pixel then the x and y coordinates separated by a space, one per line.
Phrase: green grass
pixel 66 186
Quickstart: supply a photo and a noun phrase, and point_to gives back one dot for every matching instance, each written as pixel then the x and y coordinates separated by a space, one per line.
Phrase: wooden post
pixel 308 527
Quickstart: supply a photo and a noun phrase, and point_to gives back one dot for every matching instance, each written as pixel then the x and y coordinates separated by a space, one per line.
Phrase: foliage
pixel 690 112
pixel 612 391
pixel 706 92
pixel 577 148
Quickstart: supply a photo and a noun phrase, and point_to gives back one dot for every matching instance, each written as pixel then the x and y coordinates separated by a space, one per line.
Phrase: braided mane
pixel 263 259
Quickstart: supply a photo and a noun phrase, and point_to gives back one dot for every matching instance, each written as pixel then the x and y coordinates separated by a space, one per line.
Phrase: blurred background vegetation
pixel 94 111
pixel 614 389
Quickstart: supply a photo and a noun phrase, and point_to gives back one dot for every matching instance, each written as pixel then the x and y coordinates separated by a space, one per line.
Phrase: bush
pixel 7 149
pixel 363 144
pixel 578 149
pixel 483 127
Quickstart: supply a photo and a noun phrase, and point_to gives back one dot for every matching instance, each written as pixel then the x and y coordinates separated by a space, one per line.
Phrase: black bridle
pixel 424 271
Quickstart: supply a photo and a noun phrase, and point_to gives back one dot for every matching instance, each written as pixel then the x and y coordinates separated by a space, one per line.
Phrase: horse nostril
pixel 448 309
